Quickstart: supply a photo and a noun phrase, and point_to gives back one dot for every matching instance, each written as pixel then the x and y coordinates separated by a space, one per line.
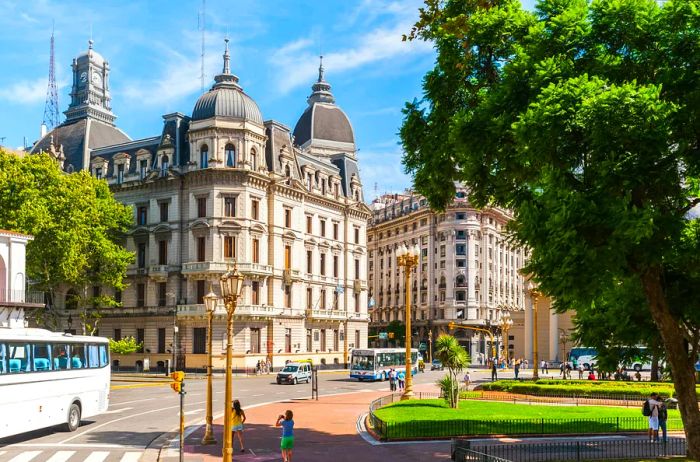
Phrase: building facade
pixel 14 296
pixel 224 186
pixel 467 270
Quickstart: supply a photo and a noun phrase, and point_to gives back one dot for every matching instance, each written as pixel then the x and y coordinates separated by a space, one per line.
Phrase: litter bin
pixel 146 364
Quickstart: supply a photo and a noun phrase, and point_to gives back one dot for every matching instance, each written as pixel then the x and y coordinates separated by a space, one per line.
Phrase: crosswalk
pixel 68 456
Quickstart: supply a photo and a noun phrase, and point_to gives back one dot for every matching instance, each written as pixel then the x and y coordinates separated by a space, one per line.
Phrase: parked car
pixel 294 373
pixel 436 365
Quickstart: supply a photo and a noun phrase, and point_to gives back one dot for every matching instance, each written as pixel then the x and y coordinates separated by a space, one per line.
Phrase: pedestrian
pixel 562 367
pixel 545 367
pixel 257 368
pixel 237 421
pixel 287 444
pixel 494 372
pixel 268 365
pixel 467 381
pixel 663 417
pixel 580 372
pixel 651 410
pixel 401 377
pixel 392 380
pixel 526 364
pixel 516 369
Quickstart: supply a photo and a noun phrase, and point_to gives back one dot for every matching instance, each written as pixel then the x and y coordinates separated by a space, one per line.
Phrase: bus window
pixel 77 356
pixel 41 355
pixel 104 356
pixel 3 362
pixel 93 357
pixel 60 357
pixel 18 357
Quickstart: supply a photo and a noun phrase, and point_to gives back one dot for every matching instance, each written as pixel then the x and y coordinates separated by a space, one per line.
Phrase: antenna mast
pixel 202 25
pixel 51 112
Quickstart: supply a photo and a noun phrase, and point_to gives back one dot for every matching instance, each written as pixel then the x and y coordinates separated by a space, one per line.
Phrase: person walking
pixel 651 410
pixel 494 371
pixel 663 417
pixel 392 380
pixel 286 421
pixel 516 369
pixel 401 377
pixel 237 421
pixel 268 365
pixel 467 381
pixel 580 372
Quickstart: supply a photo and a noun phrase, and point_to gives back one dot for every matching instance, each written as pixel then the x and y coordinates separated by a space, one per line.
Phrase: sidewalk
pixel 324 430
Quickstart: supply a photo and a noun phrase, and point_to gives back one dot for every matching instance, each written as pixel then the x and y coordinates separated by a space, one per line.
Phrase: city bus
pixel 49 378
pixel 375 363
pixel 587 357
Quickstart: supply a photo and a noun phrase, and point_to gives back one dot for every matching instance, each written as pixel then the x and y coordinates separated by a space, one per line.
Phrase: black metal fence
pixel 593 449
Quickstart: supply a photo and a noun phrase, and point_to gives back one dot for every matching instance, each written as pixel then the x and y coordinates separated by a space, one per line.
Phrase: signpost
pixel 383 336
pixel 179 387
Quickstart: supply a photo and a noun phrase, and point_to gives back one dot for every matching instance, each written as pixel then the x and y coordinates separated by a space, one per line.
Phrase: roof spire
pixel 227 59
pixel 320 70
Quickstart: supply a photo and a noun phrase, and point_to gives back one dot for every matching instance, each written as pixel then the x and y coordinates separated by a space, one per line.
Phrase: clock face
pixel 96 78
pixel 83 77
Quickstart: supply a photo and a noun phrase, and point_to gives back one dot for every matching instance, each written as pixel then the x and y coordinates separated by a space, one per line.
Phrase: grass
pixel 433 418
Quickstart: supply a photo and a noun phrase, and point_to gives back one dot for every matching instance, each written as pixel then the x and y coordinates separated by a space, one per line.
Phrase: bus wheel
pixel 73 418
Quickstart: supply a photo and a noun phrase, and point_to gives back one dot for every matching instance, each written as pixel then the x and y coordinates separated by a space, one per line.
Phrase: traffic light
pixel 178 377
pixel 451 325
pixel 391 335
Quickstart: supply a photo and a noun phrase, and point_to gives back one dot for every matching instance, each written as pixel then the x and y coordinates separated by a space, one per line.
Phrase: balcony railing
pixel 197 310
pixel 205 267
pixel 255 269
pixel 335 315
pixel 118 312
pixel 159 271
pixel 21 297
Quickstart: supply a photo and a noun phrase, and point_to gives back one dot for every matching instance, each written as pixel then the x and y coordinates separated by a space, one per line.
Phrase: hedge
pixel 580 388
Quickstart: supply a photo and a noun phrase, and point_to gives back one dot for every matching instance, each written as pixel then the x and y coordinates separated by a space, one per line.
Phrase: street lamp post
pixel 506 323
pixel 408 258
pixel 231 286
pixel 210 304
pixel 430 346
pixel 534 295
pixel 564 339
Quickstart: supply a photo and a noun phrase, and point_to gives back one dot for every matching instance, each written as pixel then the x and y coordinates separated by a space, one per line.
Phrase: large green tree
pixel 581 117
pixel 78 228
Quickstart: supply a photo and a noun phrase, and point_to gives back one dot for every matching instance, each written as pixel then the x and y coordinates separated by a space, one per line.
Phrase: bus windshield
pixel 363 363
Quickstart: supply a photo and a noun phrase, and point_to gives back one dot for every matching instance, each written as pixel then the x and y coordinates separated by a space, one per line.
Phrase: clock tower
pixel 90 91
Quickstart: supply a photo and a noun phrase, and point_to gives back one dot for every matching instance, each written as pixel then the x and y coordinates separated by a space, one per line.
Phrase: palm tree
pixel 455 358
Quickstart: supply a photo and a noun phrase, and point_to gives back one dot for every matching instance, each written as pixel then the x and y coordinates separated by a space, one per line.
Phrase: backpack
pixel 646 409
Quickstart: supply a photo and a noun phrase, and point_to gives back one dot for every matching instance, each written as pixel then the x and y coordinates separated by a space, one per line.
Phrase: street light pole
pixel 210 304
pixel 534 294
pixel 408 258
pixel 231 286
pixel 430 346
pixel 506 323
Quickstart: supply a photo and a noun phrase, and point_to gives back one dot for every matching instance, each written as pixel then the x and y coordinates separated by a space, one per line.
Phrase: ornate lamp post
pixel 506 323
pixel 430 346
pixel 210 304
pixel 564 339
pixel 408 258
pixel 534 295
pixel 231 286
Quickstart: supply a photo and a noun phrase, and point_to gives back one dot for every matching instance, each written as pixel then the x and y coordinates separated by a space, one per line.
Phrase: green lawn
pixel 433 418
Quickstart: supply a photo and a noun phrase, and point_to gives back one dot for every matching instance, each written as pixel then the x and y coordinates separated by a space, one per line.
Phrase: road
pixel 140 412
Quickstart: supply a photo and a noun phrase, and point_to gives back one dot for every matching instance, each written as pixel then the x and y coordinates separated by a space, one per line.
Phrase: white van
pixel 294 373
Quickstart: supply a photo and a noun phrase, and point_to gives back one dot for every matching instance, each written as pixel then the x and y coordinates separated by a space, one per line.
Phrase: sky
pixel 154 51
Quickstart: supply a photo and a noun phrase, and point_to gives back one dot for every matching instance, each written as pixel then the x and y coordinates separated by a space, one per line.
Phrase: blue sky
pixel 154 47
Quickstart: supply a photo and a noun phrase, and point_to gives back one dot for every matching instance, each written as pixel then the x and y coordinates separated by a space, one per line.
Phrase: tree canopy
pixel 582 118
pixel 78 229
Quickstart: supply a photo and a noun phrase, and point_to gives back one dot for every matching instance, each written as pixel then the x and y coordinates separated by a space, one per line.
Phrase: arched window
pixel 71 302
pixel 204 156
pixel 460 280
pixel 164 161
pixel 253 160
pixel 288 173
pixel 230 153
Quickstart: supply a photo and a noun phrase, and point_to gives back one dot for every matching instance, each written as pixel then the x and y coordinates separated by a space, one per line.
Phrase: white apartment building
pixel 467 270
pixel 225 186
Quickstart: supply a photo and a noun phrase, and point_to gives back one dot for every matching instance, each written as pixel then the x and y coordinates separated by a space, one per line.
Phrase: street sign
pixel 383 336
pixel 422 346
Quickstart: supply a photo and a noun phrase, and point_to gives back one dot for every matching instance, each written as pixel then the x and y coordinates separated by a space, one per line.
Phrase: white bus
pixel 49 378
pixel 374 363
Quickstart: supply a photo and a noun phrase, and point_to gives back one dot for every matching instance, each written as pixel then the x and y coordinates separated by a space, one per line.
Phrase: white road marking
pixel 2 452
pixel 74 445
pixel 25 456
pixel 97 456
pixel 194 411
pixel 130 402
pixel 114 411
pixel 131 457
pixel 61 456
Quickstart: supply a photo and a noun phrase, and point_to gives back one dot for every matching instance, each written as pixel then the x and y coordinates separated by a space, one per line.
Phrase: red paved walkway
pixel 324 430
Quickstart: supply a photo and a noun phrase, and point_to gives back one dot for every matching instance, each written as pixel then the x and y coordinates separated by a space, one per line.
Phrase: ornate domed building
pixel 226 186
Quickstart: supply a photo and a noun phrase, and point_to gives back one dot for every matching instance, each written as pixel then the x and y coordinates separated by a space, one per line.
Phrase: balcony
pixel 133 311
pixel 137 271
pixel 359 285
pixel 159 271
pixel 205 267
pixel 21 298
pixel 199 310
pixel 289 275
pixel 332 315
pixel 255 269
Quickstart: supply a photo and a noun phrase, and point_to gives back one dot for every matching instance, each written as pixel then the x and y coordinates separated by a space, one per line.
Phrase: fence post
pixel 542 426
pixel 578 450
pixel 618 423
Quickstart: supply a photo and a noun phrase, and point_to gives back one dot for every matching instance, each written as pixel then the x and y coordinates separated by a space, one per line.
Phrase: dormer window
pixel 323 187
pixel 98 173
pixel 288 174
pixel 253 160
pixel 120 173
pixel 230 152
pixel 143 165
pixel 164 163
pixel 204 156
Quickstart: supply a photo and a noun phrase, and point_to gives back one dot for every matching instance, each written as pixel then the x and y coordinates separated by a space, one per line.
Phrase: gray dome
pixel 91 56
pixel 323 119
pixel 226 102
pixel 226 98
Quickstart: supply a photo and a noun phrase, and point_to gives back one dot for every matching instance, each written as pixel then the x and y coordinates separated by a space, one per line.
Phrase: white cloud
pixel 298 66
pixel 28 18
pixel 384 170
pixel 25 91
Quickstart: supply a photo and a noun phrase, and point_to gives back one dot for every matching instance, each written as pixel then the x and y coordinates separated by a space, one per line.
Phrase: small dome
pixel 91 56
pixel 323 119
pixel 226 99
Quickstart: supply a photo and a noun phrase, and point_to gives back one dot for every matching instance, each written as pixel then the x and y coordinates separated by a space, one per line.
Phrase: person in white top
pixel 654 405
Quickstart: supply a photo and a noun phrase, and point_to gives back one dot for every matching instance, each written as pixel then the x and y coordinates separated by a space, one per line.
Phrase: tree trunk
pixel 682 364
pixel 655 366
